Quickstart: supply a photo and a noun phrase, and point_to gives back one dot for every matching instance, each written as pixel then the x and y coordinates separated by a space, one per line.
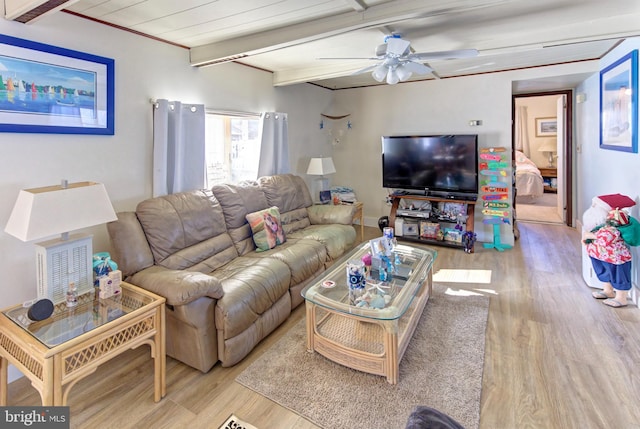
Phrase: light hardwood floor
pixel 555 357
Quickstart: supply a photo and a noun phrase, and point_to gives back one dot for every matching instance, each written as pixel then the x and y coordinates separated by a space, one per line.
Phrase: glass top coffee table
pixel 371 340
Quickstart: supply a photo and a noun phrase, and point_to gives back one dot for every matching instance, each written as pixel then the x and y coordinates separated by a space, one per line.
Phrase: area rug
pixel 543 209
pixel 442 369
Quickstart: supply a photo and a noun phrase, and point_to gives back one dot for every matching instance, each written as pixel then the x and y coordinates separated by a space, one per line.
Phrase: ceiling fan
pixel 398 63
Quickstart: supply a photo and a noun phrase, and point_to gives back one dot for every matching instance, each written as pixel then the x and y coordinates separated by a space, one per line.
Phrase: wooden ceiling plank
pixel 375 16
pixel 209 24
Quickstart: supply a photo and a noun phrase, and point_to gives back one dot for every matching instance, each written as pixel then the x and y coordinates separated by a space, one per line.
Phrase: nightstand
pixel 549 173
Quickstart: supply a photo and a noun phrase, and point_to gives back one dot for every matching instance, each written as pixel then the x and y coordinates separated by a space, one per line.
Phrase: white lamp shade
pixel 321 166
pixel 548 146
pixel 51 210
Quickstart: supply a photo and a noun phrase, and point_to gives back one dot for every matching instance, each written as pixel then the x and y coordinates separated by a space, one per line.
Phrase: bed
pixel 528 178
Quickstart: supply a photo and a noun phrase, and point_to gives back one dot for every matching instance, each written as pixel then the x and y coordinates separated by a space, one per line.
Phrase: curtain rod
pixel 231 113
pixel 221 112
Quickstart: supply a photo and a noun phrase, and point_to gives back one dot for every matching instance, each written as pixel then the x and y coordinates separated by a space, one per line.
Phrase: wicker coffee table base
pixel 374 346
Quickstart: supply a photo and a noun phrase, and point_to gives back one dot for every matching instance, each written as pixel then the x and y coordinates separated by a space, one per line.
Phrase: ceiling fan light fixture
pixel 397 62
pixel 379 73
pixel 392 76
pixel 403 73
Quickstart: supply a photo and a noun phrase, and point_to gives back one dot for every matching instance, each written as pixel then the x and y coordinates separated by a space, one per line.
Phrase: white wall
pixel 603 171
pixel 144 69
pixel 429 107
pixel 303 104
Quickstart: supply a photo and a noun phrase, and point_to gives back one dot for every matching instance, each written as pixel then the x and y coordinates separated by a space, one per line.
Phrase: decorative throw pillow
pixel 266 228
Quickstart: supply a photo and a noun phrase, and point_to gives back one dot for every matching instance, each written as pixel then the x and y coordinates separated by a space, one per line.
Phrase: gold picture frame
pixel 546 127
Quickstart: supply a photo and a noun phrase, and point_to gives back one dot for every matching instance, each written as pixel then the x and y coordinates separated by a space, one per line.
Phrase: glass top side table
pixel 57 352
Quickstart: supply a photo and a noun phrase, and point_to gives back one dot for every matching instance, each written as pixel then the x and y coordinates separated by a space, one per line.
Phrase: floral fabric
pixel 608 246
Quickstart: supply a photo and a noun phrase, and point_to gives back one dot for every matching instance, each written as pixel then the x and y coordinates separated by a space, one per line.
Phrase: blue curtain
pixel 178 147
pixel 274 148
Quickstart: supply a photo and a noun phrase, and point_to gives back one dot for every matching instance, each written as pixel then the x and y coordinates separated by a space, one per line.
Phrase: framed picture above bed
pixel 619 104
pixel 546 127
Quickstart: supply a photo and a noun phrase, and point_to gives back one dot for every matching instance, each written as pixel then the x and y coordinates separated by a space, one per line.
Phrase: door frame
pixel 568 138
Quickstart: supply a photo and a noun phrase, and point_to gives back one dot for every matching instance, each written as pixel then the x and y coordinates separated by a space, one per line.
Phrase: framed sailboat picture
pixel 619 104
pixel 47 89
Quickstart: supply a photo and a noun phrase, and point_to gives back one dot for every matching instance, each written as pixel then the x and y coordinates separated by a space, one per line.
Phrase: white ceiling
pixel 288 37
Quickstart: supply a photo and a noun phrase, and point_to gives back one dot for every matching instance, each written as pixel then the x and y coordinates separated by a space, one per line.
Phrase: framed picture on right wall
pixel 619 104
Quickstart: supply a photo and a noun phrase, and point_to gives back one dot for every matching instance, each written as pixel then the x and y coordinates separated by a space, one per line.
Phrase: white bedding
pixel 528 177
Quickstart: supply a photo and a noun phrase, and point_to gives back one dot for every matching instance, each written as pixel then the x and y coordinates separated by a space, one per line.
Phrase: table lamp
pixel 549 146
pixel 320 167
pixel 44 212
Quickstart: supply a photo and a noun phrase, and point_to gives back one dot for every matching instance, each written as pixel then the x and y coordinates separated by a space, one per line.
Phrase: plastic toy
pixel 102 266
pixel 468 239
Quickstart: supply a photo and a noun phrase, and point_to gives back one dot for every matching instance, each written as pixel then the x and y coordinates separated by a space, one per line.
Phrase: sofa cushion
pixel 186 230
pixel 130 248
pixel 337 239
pixel 251 286
pixel 237 201
pixel 266 228
pixel 303 257
pixel 328 214
pixel 234 349
pixel 295 220
pixel 286 191
pixel 179 287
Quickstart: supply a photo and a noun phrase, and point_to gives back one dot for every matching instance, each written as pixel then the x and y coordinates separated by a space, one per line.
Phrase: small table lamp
pixel 551 147
pixel 320 167
pixel 43 212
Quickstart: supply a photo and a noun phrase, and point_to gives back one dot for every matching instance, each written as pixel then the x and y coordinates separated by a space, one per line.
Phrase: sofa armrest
pixel 328 214
pixel 177 286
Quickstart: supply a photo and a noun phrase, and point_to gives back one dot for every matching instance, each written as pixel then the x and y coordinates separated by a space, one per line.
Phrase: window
pixel 232 145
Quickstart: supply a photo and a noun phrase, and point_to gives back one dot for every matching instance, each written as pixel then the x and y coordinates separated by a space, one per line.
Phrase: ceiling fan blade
pixel 350 58
pixel 397 46
pixel 417 68
pixel 365 70
pixel 444 55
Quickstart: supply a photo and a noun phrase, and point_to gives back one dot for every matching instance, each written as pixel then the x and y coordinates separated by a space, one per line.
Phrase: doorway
pixel 544 113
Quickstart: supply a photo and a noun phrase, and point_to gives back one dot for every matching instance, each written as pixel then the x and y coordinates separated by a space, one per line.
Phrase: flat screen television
pixel 439 165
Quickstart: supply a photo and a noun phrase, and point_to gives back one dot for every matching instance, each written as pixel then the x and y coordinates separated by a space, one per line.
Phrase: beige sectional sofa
pixel 197 250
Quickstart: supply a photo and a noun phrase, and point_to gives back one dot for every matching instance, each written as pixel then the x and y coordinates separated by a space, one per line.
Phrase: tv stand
pixel 417 216
pixel 445 196
pixel 404 193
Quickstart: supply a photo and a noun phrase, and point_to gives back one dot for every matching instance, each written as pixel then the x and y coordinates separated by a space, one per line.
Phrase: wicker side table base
pixel 53 371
